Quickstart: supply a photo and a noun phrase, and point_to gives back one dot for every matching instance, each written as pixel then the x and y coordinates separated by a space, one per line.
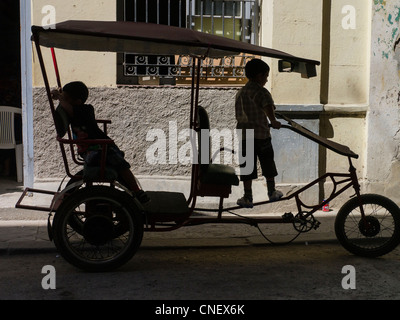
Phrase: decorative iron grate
pixel 237 19
pixel 180 66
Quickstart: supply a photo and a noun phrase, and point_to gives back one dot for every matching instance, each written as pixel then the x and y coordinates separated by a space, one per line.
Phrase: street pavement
pixel 210 262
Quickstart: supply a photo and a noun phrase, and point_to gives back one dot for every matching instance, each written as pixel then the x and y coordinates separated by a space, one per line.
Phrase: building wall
pixel 353 100
pixel 92 68
pixel 383 162
pixel 297 29
pixel 349 53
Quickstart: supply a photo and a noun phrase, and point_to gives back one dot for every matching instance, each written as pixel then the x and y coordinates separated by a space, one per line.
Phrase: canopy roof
pixel 147 38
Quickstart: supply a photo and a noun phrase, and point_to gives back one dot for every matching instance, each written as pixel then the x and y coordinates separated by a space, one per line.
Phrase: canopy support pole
pixel 194 103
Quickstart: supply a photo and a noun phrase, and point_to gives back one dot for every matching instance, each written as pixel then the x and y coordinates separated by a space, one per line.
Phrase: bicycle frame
pixel 347 180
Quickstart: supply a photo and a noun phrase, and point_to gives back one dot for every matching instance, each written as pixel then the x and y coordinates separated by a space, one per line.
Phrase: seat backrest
pixel 7 132
pixel 61 121
pixel 204 125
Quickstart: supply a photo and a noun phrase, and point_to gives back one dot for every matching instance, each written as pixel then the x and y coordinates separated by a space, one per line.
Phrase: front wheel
pixel 110 230
pixel 375 234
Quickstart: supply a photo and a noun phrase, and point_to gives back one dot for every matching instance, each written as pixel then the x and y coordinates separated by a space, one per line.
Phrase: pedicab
pixel 98 225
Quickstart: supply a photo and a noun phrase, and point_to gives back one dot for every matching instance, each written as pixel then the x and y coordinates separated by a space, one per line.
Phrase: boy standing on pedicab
pixel 254 106
pixel 81 116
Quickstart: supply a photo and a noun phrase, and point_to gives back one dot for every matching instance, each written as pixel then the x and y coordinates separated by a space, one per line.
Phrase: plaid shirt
pixel 250 108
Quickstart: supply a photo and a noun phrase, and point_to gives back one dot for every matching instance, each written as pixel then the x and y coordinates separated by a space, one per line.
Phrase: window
pixel 235 19
pixel 232 19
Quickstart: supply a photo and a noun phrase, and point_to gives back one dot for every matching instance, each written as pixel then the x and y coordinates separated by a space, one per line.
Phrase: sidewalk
pixel 26 230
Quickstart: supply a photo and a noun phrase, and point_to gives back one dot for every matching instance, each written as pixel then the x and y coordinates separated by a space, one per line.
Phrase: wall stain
pixel 381 5
pixel 391 18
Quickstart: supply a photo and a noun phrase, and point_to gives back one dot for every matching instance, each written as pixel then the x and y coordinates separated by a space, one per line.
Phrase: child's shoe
pixel 275 196
pixel 245 202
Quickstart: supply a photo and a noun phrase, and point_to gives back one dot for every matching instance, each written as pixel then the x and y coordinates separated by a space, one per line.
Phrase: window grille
pixel 235 19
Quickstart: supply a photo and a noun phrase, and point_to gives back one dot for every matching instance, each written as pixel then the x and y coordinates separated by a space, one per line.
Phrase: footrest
pixel 166 206
pixel 27 201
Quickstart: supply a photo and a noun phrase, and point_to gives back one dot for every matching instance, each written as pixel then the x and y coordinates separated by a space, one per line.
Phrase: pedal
pixel 316 224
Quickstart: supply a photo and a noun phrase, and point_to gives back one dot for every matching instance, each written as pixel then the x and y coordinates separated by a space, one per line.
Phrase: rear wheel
pixel 110 229
pixel 375 234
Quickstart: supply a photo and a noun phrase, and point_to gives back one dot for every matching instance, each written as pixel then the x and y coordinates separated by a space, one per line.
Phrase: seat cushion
pixel 166 206
pixel 219 174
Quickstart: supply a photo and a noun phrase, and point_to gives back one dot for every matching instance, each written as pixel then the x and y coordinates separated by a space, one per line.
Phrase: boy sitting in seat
pixel 253 107
pixel 81 116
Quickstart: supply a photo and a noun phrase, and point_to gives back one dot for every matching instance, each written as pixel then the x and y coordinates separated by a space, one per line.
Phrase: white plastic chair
pixel 7 136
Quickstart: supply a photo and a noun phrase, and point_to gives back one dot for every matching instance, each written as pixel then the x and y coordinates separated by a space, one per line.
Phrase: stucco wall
pixel 383 121
pixel 134 112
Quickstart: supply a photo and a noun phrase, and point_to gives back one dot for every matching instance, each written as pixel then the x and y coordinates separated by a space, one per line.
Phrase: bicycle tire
pixel 377 234
pixel 112 228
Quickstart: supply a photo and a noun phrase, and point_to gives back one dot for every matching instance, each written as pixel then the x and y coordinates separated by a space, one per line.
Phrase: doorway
pixel 10 78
